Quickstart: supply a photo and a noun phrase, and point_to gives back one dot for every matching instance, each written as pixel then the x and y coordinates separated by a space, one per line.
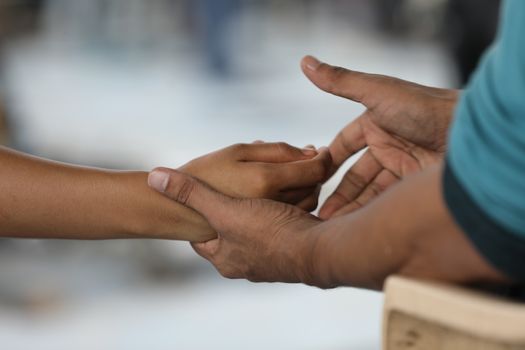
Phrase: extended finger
pixel 275 152
pixel 310 203
pixel 339 81
pixel 352 184
pixel 305 173
pixel 206 249
pixel 296 196
pixel 382 181
pixel 349 141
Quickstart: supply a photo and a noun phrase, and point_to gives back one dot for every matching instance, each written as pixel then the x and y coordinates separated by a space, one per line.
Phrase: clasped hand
pixel 403 130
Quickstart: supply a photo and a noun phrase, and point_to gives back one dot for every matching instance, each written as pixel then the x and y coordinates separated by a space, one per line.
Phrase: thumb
pixel 194 194
pixel 339 81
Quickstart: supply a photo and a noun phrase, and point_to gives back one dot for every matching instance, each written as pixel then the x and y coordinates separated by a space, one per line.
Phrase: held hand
pixel 258 239
pixel 265 170
pixel 405 128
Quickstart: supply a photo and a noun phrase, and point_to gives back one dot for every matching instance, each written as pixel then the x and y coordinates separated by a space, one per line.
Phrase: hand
pixel 405 128
pixel 265 170
pixel 263 240
pixel 258 239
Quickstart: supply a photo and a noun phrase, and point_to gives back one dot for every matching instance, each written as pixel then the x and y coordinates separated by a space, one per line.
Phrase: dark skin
pixel 404 128
pixel 406 230
pixel 263 240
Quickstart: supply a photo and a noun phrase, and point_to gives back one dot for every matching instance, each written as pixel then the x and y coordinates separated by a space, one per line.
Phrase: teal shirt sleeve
pixel 484 182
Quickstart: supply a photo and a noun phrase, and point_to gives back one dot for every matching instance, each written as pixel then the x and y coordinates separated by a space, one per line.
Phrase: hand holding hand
pixel 265 170
pixel 405 128
pixel 258 239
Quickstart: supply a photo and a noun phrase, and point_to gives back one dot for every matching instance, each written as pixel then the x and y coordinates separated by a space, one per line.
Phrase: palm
pixel 404 130
pixel 396 154
pixel 388 158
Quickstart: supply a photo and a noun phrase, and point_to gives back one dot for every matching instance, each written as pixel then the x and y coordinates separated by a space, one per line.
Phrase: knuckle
pixel 375 189
pixel 357 204
pixel 251 273
pixel 252 277
pixel 185 190
pixel 345 143
pixel 282 145
pixel 353 179
pixel 285 149
pixel 311 205
pixel 263 182
pixel 227 272
pixel 314 204
pixel 238 147
pixel 336 76
pixel 338 199
pixel 319 170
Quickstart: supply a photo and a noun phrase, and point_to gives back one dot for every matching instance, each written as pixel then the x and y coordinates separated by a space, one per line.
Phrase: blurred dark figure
pixel 216 17
pixel 17 17
pixel 471 26
pixel 389 15
pixel 4 135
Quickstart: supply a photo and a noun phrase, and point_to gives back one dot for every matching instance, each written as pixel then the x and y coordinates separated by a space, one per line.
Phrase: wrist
pixel 132 202
pixel 315 266
pixel 145 213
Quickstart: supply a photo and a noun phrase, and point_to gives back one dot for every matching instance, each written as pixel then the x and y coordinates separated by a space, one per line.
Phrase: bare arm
pixel 44 199
pixel 407 231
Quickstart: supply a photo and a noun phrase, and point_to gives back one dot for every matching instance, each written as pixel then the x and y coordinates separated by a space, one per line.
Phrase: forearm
pixel 43 199
pixel 408 231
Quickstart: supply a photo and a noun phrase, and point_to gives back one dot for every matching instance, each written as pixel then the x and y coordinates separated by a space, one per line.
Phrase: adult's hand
pixel 404 126
pixel 276 171
pixel 263 240
pixel 258 239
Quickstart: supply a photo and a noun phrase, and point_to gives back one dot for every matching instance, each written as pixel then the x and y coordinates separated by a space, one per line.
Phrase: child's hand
pixel 265 170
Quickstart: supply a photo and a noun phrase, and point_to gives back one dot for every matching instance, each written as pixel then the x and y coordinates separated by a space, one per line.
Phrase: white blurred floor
pixel 164 110
pixel 210 313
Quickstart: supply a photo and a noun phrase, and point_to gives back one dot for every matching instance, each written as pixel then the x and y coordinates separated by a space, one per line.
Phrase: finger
pixel 384 180
pixel 339 81
pixel 188 191
pixel 349 141
pixel 296 196
pixel 275 152
pixel 206 249
pixel 310 203
pixel 352 184
pixel 306 173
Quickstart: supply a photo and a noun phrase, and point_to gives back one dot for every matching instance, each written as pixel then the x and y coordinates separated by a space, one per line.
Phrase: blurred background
pixel 132 84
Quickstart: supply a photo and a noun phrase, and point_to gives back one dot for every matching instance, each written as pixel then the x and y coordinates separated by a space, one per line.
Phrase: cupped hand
pixel 265 170
pixel 258 239
pixel 404 126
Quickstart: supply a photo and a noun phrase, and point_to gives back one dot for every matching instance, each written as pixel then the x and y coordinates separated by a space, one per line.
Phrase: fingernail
pixel 158 180
pixel 311 63
pixel 322 149
pixel 309 147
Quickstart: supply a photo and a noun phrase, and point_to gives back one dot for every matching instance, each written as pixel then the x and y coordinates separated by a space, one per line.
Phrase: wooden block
pixel 430 316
